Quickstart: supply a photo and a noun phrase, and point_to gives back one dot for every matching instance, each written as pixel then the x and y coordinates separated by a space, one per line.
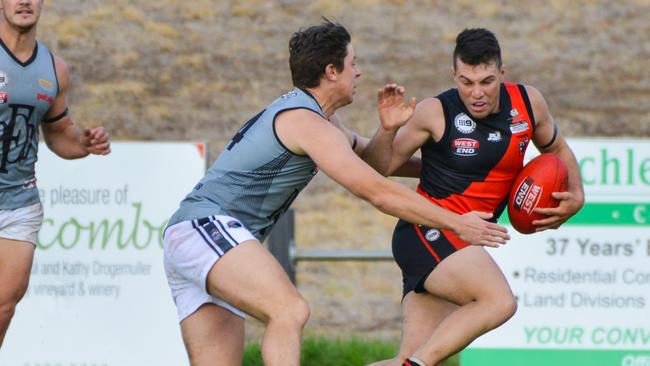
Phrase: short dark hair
pixel 312 49
pixel 477 46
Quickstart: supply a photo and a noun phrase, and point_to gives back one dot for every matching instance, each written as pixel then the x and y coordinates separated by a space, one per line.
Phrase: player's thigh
pixel 468 275
pixel 16 259
pixel 214 335
pixel 421 313
pixel 251 279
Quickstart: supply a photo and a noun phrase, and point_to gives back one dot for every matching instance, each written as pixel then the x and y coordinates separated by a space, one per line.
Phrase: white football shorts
pixel 191 248
pixel 21 223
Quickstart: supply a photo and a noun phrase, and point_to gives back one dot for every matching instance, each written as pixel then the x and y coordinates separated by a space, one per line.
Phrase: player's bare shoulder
pixel 537 101
pixel 336 122
pixel 429 115
pixel 430 104
pixel 61 69
pixel 296 126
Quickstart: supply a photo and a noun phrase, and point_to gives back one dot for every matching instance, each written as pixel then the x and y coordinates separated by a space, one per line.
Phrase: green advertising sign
pixel 583 290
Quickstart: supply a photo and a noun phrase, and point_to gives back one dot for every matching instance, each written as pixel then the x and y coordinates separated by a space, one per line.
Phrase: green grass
pixel 319 351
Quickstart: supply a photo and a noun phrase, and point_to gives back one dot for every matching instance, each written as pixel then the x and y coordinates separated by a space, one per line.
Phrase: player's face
pixel 349 75
pixel 21 14
pixel 478 87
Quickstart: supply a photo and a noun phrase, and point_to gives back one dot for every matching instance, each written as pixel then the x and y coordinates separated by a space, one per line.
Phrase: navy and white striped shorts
pixel 191 248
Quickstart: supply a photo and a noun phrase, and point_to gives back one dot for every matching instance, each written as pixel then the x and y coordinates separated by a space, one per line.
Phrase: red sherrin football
pixel 533 187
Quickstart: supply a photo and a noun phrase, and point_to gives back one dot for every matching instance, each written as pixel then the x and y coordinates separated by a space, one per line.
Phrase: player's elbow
pixel 375 193
pixel 382 203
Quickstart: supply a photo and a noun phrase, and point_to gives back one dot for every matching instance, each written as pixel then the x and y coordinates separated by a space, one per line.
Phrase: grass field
pixel 319 351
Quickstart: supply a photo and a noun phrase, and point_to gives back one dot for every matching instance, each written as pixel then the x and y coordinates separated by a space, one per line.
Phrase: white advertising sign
pixel 98 294
pixel 584 290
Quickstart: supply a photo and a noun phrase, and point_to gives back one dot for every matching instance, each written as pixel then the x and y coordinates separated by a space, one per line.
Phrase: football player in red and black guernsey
pixel 473 139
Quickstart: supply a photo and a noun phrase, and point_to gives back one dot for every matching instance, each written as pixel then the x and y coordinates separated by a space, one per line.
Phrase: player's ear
pixel 331 73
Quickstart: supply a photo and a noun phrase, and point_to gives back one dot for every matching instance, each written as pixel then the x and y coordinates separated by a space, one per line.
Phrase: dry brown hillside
pixel 195 70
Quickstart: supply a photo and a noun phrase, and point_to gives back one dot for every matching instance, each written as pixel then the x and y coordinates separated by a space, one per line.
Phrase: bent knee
pixel 502 309
pixel 9 299
pixel 300 311
pixel 508 307
pixel 295 311
pixel 8 308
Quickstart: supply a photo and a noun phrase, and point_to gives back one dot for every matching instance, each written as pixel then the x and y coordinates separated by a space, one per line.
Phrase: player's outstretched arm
pixel 410 168
pixel 398 158
pixel 393 114
pixel 548 138
pixel 330 149
pixel 59 132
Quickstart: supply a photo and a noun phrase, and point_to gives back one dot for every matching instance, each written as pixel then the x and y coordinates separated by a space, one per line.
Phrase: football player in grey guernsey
pixel 216 266
pixel 33 90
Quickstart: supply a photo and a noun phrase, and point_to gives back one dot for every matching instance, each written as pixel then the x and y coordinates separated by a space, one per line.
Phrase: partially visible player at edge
pixel 216 266
pixel 33 90
pixel 473 139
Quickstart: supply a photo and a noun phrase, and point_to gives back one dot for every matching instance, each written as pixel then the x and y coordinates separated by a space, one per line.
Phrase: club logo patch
pixel 432 234
pixel 465 147
pixel 4 79
pixel 4 97
pixel 464 124
pixel 215 235
pixel 494 136
pixel 522 146
pixel 516 116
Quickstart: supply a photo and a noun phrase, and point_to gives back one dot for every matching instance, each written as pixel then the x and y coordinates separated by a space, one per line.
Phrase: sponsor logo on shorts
pixel 465 147
pixel 528 195
pixel 46 84
pixel 4 97
pixel 215 235
pixel 432 234
pixel 494 136
pixel 519 127
pixel 464 124
pixel 4 79
pixel 234 224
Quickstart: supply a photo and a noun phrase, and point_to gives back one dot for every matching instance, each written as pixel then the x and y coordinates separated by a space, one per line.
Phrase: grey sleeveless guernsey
pixel 27 91
pixel 255 179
